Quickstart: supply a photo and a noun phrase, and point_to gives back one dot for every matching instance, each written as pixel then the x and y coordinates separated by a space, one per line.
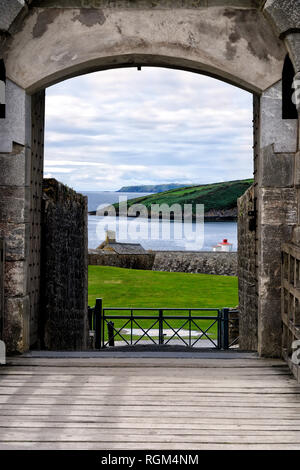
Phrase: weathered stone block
pixel 9 9
pixel 297 169
pixel 296 235
pixel 271 239
pixel 16 324
pixel 293 44
pixel 285 14
pixel 269 327
pixel 276 169
pixel 269 287
pixel 17 125
pixel 15 239
pixel 15 278
pixel 278 206
pixel 14 206
pixel 15 167
pixel 275 130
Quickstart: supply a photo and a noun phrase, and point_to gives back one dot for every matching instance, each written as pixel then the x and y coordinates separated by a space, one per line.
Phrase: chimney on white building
pixel 110 236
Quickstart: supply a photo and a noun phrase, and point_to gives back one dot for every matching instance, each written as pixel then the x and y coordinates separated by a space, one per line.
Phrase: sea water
pixel 155 235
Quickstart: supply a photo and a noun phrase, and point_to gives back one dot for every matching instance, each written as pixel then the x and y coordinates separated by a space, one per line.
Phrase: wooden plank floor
pixel 136 403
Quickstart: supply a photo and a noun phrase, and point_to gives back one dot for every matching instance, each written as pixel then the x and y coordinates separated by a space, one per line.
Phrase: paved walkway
pixel 235 402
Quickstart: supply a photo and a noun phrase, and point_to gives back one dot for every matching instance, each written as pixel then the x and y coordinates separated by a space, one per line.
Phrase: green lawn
pixel 120 287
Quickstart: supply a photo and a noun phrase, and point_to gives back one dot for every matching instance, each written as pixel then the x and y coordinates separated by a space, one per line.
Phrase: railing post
pixel 110 329
pixel 91 327
pixel 98 323
pixel 131 324
pixel 90 318
pixel 190 329
pixel 220 329
pixel 225 328
pixel 161 328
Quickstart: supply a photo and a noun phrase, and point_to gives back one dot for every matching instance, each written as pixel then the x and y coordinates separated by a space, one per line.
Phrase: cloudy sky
pixel 124 127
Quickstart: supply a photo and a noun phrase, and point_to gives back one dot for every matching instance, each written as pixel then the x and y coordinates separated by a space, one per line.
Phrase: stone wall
pixel 63 268
pixel 15 207
pixel 277 212
pixel 160 39
pixel 170 261
pixel 272 30
pixel 103 258
pixel 247 272
pixel 199 262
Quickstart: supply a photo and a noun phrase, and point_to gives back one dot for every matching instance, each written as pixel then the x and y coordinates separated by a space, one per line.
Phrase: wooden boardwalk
pixel 135 403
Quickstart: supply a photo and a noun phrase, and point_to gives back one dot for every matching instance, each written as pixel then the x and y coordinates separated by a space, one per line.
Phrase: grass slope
pixel 216 197
pixel 119 287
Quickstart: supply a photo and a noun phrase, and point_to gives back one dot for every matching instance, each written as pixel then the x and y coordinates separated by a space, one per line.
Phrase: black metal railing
pixel 127 326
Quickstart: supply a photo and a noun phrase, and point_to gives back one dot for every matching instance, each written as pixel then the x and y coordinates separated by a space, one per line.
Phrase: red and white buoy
pixel 223 246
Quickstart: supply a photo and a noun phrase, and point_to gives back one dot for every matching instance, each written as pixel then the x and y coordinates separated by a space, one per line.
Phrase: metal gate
pixel 160 326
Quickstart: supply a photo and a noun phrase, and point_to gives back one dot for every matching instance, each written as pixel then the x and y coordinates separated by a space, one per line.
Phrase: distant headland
pixel 219 199
pixel 152 188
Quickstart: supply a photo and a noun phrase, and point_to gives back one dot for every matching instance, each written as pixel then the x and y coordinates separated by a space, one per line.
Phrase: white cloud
pixel 122 127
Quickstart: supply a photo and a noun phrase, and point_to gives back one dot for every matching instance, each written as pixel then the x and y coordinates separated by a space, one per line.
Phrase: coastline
pixel 214 218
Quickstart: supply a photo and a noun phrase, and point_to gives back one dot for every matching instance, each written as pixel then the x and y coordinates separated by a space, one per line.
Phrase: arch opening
pixel 236 44
pixel 217 114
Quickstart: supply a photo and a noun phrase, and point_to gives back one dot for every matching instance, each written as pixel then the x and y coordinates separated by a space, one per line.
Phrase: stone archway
pixel 241 42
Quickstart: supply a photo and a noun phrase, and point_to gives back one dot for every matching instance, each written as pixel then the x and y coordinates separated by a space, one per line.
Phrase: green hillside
pixel 217 197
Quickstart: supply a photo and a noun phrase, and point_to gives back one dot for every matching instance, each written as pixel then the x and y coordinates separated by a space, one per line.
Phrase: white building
pixel 223 246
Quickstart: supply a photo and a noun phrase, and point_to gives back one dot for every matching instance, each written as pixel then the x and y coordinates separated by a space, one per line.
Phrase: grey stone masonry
pixel 285 14
pixel 276 169
pixel 136 261
pixel 277 212
pixel 15 191
pixel 9 10
pixel 16 127
pixel 247 272
pixel 196 262
pixel 281 133
pixel 292 42
pixel 243 42
pixel 64 268
pixel 170 261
